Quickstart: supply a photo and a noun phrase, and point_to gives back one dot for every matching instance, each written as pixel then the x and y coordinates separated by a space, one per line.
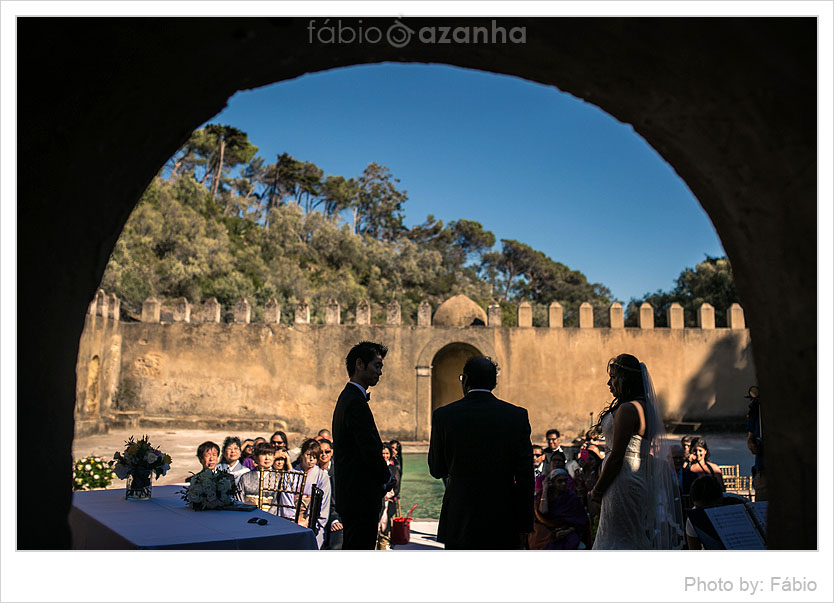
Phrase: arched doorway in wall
pixel 445 368
pixel 684 109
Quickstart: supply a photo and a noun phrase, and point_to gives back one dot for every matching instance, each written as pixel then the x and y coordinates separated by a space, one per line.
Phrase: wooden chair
pixel 730 475
pixel 745 486
pixel 281 489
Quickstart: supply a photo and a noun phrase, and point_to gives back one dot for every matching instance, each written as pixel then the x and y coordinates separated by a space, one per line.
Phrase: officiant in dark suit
pixel 488 502
pixel 361 474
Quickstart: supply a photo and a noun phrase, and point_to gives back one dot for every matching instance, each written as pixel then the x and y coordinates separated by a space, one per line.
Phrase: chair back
pixel 730 475
pixel 281 489
pixel 316 495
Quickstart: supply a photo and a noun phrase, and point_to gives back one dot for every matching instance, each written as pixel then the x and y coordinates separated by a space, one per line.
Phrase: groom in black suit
pixel 361 474
pixel 488 502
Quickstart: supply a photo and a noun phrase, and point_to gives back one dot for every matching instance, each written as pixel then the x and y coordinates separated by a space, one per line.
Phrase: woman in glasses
pixel 279 440
pixel 308 461
pixel 231 458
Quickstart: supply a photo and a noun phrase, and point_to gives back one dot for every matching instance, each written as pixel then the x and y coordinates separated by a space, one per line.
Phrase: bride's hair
pixel 625 369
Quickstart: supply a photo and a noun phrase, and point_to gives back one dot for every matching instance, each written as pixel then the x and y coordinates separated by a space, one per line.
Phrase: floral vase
pixel 138 486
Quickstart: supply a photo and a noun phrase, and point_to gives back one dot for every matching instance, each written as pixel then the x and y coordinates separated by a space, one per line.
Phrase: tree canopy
pixel 710 281
pixel 226 224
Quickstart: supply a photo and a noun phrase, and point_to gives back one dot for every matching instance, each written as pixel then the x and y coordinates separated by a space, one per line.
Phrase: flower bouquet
pixel 91 472
pixel 210 490
pixel 138 462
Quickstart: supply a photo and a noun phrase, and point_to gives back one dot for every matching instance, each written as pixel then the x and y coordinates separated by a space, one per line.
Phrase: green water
pixel 420 488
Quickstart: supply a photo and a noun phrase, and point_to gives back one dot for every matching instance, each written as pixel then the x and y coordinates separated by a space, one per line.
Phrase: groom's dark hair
pixel 481 373
pixel 365 351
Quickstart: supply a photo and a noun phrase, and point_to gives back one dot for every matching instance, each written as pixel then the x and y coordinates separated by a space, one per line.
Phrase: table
pixel 104 520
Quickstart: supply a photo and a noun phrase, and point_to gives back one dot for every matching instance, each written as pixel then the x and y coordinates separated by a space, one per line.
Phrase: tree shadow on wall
pixel 715 395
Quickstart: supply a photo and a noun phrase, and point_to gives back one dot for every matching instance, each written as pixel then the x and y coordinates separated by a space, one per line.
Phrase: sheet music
pixel 759 509
pixel 735 528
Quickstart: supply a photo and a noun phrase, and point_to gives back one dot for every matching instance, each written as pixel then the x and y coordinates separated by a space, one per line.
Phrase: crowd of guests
pixel 565 517
pixel 314 457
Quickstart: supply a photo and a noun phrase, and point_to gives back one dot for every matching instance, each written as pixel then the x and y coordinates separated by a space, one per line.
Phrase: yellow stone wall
pixel 290 375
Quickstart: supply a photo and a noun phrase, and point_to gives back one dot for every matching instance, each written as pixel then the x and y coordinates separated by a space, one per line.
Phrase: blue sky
pixel 527 161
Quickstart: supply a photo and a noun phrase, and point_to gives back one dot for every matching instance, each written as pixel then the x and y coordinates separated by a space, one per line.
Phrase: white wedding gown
pixel 627 517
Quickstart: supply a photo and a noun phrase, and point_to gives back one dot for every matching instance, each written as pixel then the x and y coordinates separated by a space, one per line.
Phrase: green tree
pixel 229 147
pixel 378 210
pixel 338 194
pixel 710 281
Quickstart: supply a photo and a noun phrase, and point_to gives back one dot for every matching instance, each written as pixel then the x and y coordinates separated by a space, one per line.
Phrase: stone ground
pixel 182 446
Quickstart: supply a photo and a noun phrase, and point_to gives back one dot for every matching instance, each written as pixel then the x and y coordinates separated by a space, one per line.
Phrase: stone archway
pixel 445 368
pixel 738 126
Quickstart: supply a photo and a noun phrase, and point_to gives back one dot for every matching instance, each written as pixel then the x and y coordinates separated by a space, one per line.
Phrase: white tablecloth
pixel 104 520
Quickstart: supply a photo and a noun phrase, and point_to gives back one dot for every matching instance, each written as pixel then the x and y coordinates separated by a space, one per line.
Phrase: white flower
pixel 165 469
pixel 95 475
pixel 150 458
pixel 87 466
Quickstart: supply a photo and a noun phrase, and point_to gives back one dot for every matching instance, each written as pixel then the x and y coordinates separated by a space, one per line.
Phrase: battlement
pixel 211 311
pixel 181 362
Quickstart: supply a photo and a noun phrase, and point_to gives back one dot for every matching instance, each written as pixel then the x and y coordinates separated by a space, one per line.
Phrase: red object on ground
pixel 401 528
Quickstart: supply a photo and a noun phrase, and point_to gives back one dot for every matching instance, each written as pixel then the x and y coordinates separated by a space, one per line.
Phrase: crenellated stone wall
pixel 269 375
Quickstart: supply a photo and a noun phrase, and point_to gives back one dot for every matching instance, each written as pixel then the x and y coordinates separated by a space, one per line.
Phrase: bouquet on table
pixel 210 490
pixel 138 462
pixel 91 472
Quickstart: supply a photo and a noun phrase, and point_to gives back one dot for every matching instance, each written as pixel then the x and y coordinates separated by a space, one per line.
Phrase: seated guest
pixel 560 520
pixel 282 461
pixel 279 440
pixel 246 452
pixel 701 464
pixel 308 462
pixel 539 465
pixel 231 458
pixel 209 455
pixel 557 461
pixel 705 493
pixel 249 483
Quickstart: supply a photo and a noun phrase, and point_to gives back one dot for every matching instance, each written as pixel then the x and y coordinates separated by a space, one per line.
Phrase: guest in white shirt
pixel 231 458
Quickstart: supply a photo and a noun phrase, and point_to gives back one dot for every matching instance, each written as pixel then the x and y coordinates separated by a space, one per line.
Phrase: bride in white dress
pixel 637 487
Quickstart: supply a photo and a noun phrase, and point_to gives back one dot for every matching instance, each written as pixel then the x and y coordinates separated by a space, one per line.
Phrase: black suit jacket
pixel 360 471
pixel 489 491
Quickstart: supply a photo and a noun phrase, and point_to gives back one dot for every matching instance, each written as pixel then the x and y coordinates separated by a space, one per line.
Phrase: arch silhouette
pixel 739 128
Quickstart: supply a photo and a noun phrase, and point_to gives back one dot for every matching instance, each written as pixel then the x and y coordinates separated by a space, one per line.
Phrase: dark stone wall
pixel 729 103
